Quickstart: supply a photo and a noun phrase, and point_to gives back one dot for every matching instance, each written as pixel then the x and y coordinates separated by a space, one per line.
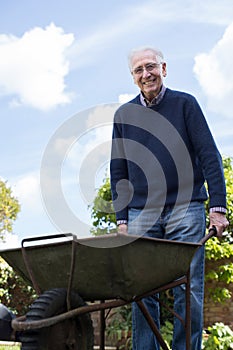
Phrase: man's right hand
pixel 122 229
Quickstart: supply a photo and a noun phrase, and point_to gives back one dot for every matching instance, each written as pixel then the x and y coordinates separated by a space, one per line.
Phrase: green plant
pixel 223 273
pixel 119 327
pixel 9 208
pixel 14 292
pixel 220 338
pixel 228 174
pixel 102 212
pixel 167 333
pixel 220 250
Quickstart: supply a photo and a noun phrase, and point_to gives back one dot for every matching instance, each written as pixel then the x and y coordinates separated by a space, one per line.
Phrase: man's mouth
pixel 149 82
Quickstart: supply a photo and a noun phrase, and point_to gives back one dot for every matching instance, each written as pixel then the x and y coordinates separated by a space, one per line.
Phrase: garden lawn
pixel 9 346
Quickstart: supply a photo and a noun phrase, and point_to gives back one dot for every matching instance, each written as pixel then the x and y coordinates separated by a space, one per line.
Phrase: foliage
pixel 102 213
pixel 220 250
pixel 220 338
pixel 167 333
pixel 120 325
pixel 14 292
pixel 228 174
pixel 216 250
pixel 9 208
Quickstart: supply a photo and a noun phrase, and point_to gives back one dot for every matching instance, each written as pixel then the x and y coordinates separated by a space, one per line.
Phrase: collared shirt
pixel 155 100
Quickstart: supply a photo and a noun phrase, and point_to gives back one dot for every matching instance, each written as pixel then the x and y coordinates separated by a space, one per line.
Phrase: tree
pixel 102 213
pixel 9 208
pixel 14 292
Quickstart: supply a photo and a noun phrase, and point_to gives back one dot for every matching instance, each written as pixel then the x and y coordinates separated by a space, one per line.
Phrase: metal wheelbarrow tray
pixel 115 269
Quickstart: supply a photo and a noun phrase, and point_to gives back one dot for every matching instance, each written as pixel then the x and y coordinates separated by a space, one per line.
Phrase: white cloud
pixel 123 98
pixel 148 15
pixel 27 190
pixel 195 11
pixel 215 74
pixel 33 67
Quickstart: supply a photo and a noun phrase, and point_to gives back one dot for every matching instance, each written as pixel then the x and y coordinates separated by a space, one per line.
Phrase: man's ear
pixel 164 69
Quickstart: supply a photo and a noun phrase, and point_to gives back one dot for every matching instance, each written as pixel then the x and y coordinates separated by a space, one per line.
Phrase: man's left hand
pixel 219 221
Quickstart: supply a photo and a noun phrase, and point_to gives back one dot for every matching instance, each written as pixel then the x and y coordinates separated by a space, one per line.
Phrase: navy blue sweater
pixel 162 155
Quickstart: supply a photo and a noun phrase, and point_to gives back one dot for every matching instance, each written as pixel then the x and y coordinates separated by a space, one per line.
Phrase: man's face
pixel 148 73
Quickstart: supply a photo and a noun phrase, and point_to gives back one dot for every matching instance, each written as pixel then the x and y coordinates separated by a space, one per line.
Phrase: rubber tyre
pixel 60 335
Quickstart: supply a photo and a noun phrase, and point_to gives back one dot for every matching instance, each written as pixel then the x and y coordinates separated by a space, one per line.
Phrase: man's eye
pixel 150 66
pixel 138 70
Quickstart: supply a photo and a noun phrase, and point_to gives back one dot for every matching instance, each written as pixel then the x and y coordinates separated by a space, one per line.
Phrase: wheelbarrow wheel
pixel 76 333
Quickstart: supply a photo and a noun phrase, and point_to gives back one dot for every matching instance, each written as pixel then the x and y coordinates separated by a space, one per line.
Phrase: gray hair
pixel 133 52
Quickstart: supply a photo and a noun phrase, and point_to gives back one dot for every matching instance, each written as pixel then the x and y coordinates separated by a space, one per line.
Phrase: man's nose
pixel 145 73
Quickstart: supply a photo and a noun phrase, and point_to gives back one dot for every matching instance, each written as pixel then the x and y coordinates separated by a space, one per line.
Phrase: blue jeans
pixel 180 223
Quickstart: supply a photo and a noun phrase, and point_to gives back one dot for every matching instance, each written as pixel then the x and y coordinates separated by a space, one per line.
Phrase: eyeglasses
pixel 149 67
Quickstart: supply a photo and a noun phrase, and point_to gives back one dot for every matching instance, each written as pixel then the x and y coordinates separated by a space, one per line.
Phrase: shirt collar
pixel 155 100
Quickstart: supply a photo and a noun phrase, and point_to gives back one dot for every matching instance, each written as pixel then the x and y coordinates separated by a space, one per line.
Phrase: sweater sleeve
pixel 119 173
pixel 207 152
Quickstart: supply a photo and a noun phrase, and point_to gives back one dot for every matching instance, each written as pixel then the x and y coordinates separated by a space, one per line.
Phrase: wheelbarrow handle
pixel 43 238
pixel 212 232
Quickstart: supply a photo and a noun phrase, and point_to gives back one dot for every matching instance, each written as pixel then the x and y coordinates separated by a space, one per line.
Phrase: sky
pixel 63 73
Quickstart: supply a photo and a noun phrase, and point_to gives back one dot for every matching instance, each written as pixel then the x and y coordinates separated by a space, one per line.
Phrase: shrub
pixel 220 338
pixel 15 294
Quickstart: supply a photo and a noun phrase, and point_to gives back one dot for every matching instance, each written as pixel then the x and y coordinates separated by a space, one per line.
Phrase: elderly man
pixel 162 154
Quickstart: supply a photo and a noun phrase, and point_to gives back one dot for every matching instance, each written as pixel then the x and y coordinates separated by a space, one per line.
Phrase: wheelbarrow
pixel 75 277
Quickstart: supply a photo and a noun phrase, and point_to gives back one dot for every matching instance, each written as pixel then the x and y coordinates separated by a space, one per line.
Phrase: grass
pixel 9 346
pixel 17 347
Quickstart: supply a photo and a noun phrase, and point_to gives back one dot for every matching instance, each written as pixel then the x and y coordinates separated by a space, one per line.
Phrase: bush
pixel 222 271
pixel 119 327
pixel 220 338
pixel 15 294
pixel 220 250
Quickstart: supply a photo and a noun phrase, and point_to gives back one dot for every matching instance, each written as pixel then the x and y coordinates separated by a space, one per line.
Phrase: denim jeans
pixel 181 223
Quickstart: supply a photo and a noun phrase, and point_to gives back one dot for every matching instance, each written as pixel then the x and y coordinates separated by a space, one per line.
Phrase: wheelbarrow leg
pixel 102 329
pixel 188 313
pixel 152 324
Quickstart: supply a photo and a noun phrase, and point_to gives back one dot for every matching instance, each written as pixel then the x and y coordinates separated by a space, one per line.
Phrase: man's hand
pixel 219 221
pixel 123 229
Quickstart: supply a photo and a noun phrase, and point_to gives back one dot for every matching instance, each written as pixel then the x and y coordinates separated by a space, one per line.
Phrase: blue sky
pixel 60 58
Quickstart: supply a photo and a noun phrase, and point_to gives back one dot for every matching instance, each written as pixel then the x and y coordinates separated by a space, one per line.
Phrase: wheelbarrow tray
pixel 124 266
